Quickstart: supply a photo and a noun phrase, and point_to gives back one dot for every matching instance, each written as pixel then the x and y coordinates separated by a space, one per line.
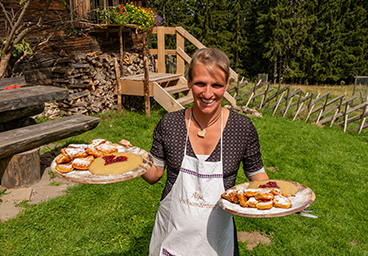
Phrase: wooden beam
pixel 146 76
pixel 180 62
pixel 161 49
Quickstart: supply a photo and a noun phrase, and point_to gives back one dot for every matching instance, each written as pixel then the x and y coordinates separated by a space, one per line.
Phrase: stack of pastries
pixel 262 199
pixel 80 156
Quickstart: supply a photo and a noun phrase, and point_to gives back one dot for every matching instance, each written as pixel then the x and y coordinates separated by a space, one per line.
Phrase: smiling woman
pixel 202 148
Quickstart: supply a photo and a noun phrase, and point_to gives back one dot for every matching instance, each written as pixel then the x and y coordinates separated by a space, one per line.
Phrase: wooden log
pixel 22 112
pixel 16 98
pixel 21 170
pixel 33 136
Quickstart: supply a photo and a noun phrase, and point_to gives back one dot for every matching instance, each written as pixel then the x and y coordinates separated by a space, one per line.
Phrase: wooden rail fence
pixel 321 109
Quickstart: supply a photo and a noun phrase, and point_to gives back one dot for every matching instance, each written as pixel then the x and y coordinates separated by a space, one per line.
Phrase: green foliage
pixel 19 49
pixel 70 31
pixel 144 18
pixel 302 41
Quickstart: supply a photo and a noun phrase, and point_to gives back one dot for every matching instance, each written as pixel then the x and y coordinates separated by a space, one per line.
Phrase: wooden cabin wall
pixel 55 14
pixel 88 39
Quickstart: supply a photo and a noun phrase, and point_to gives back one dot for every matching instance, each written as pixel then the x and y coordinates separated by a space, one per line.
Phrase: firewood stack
pixel 91 80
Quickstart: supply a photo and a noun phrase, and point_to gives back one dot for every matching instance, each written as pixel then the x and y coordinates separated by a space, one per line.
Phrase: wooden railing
pixel 181 56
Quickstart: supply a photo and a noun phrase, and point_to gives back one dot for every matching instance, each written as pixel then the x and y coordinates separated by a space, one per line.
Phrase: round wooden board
pixel 88 178
pixel 302 199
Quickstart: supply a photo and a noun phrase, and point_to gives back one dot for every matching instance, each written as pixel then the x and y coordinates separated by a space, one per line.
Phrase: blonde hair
pixel 210 57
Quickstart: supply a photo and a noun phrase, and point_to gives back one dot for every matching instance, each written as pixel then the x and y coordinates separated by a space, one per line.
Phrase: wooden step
pixel 177 88
pixel 154 77
pixel 186 100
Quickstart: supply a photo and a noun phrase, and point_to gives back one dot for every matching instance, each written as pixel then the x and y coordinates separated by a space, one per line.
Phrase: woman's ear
pixel 189 84
pixel 227 84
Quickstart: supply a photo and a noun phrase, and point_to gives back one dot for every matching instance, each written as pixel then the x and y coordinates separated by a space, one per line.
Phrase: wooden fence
pixel 319 109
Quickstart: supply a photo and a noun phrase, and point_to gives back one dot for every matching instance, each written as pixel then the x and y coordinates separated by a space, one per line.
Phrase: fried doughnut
pixel 234 197
pixel 252 202
pixel 74 152
pixel 82 163
pixel 94 152
pixel 96 142
pixel 242 198
pixel 251 192
pixel 277 191
pixel 263 196
pixel 106 148
pixel 264 205
pixel 226 196
pixel 281 202
pixel 64 168
pixel 84 146
pixel 62 159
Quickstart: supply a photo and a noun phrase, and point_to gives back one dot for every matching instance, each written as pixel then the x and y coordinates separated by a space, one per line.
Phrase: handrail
pixel 182 56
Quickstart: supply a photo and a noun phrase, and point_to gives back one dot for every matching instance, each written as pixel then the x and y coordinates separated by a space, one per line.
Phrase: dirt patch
pixel 272 169
pixel 253 238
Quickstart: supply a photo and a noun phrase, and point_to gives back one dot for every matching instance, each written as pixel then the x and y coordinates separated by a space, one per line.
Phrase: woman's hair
pixel 210 57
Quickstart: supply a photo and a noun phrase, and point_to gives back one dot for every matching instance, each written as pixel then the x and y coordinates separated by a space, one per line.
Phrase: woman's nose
pixel 207 91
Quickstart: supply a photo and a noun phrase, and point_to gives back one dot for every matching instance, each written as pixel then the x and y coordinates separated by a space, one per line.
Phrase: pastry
pixel 106 148
pixel 82 163
pixel 96 142
pixel 242 198
pixel 93 151
pixel 252 202
pixel 64 168
pixel 281 202
pixel 233 197
pixel 62 159
pixel 263 196
pixel 262 199
pixel 251 192
pixel 74 152
pixel 264 205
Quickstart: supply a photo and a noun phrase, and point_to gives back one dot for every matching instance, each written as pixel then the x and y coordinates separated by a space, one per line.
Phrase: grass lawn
pixel 117 219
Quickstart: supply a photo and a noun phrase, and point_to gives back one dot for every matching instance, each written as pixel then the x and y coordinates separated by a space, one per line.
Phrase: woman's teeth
pixel 207 101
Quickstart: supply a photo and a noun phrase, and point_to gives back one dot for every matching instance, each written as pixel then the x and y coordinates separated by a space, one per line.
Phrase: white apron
pixel 189 221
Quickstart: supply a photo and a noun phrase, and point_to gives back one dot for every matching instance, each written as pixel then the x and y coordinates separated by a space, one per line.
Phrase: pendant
pixel 202 133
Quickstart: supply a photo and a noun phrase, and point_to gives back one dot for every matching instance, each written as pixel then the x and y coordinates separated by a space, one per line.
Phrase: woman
pixel 202 148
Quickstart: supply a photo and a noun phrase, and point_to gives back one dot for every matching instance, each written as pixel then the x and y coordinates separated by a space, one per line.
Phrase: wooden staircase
pixel 169 90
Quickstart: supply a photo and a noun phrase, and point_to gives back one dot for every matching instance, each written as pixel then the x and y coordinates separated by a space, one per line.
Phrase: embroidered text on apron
pixel 189 220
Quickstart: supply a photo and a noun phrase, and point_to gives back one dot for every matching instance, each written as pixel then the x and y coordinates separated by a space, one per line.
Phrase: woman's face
pixel 208 88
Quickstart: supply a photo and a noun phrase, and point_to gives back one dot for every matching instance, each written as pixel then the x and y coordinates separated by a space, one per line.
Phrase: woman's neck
pixel 205 119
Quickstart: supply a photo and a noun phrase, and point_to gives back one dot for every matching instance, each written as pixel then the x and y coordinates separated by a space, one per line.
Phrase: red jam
pixel 270 184
pixel 111 159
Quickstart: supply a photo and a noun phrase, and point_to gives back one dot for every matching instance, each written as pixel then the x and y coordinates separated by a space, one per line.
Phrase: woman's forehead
pixel 213 70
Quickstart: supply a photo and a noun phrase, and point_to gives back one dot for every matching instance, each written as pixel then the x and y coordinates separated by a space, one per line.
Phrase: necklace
pixel 202 132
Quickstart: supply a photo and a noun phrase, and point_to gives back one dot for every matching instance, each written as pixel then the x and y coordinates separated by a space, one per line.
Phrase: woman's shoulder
pixel 174 115
pixel 238 118
pixel 171 120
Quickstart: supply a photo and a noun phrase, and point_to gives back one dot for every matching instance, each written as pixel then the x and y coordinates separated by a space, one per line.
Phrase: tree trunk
pixel 4 63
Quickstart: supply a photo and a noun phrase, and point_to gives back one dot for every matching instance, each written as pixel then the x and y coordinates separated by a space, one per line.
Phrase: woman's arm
pixel 154 174
pixel 260 176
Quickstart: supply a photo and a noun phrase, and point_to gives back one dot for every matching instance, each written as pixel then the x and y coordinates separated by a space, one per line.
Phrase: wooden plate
pixel 302 199
pixel 88 178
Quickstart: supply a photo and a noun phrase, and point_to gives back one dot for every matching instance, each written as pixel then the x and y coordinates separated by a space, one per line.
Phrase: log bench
pixel 19 148
pixel 21 137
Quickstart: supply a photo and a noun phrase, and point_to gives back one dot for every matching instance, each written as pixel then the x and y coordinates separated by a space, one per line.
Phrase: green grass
pixel 117 219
